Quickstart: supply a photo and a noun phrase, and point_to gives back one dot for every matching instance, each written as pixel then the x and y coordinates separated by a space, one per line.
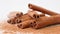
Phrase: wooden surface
pixel 13 29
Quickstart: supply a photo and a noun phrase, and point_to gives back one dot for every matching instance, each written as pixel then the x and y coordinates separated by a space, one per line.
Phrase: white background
pixel 6 6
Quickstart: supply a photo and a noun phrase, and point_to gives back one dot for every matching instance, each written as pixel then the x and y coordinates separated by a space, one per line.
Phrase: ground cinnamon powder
pixel 55 29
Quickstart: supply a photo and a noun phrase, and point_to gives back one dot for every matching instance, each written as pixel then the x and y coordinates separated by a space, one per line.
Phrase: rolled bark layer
pixel 45 21
pixel 25 24
pixel 23 18
pixel 34 14
pixel 11 20
pixel 40 9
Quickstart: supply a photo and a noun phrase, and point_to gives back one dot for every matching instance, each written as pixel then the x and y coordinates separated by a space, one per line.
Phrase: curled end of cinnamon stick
pixel 18 21
pixel 32 24
pixel 29 5
pixel 19 14
pixel 9 21
pixel 36 16
pixel 20 26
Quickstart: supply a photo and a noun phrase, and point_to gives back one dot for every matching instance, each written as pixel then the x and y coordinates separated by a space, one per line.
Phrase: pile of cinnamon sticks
pixel 34 19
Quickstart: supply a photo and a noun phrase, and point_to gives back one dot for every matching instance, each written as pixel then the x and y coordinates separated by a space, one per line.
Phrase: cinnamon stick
pixel 45 21
pixel 34 14
pixel 25 24
pixel 23 18
pixel 18 19
pixel 11 20
pixel 40 9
